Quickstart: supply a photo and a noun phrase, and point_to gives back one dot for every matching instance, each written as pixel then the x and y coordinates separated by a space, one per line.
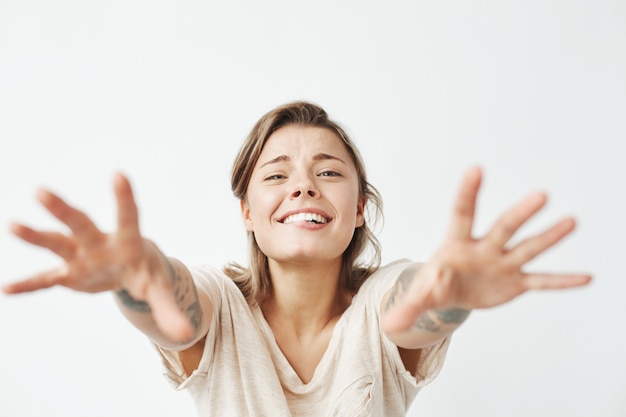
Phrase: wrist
pixel 127 300
pixel 441 319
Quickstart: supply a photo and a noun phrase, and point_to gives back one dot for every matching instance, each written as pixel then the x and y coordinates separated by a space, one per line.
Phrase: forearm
pixel 195 305
pixel 430 325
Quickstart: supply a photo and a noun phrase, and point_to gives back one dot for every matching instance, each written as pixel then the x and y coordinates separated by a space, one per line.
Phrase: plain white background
pixel 165 91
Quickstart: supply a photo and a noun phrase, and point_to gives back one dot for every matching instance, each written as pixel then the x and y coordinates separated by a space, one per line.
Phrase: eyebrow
pixel 317 157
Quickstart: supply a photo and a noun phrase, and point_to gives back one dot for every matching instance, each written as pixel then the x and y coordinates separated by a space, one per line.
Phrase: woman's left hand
pixel 471 273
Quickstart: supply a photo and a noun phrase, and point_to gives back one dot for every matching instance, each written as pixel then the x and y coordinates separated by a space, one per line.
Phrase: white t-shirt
pixel 243 372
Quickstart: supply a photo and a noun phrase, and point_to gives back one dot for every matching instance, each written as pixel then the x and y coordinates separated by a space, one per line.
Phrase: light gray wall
pixel 533 91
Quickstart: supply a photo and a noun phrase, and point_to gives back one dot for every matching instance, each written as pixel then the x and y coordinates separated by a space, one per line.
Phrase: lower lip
pixel 307 225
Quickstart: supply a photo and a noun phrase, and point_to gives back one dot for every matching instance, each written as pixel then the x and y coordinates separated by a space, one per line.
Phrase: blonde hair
pixel 255 282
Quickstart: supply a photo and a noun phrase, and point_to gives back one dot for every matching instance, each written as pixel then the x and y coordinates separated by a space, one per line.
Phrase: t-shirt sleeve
pixel 431 358
pixel 209 281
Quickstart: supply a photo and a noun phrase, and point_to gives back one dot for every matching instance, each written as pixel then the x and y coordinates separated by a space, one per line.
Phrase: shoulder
pixel 218 286
pixel 388 273
pixel 209 278
pixel 394 267
pixel 377 284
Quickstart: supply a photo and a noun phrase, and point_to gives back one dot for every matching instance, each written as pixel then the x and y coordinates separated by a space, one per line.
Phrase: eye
pixel 329 173
pixel 275 177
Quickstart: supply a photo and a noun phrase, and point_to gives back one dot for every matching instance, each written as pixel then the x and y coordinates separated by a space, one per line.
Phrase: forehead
pixel 297 141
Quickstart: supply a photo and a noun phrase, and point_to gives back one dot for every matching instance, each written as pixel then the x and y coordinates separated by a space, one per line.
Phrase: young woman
pixel 311 327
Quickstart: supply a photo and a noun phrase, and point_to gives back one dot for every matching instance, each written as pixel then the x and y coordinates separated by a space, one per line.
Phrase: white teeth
pixel 308 217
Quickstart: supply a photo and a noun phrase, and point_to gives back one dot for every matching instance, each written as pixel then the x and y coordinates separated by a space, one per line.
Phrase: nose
pixel 298 193
pixel 304 185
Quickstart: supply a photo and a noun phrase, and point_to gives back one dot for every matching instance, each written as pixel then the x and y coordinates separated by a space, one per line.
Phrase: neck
pixel 305 298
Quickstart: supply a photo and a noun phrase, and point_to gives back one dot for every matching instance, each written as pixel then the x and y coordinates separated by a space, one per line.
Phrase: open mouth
pixel 305 217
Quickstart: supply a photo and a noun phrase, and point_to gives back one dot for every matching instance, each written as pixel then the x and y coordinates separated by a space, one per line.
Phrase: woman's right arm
pixel 156 293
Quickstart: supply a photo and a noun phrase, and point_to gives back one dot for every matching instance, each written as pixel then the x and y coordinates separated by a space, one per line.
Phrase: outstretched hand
pixel 472 273
pixel 94 261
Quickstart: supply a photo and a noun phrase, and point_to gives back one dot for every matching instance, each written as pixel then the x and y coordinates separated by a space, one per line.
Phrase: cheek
pixel 261 208
pixel 351 206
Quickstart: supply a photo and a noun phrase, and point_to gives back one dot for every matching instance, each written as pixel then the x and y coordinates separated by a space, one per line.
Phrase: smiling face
pixel 302 201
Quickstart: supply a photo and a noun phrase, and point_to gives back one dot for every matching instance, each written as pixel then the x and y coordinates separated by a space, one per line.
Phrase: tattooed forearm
pixel 441 319
pixel 128 301
pixel 432 321
pixel 452 315
pixel 401 285
pixel 194 312
pixel 184 292
pixel 186 295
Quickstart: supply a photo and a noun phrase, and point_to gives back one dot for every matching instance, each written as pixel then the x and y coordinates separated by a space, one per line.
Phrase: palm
pixel 93 261
pixel 101 267
pixel 471 273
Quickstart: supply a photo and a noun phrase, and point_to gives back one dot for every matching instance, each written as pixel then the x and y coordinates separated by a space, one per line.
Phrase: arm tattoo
pixel 194 312
pixel 401 285
pixel 452 315
pixel 432 320
pixel 182 292
pixel 131 303
pixel 425 322
pixel 185 294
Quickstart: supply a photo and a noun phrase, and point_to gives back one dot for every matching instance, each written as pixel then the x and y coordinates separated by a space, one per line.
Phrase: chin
pixel 306 257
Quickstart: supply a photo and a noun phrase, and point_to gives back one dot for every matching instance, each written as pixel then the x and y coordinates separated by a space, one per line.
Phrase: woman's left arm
pixel 428 302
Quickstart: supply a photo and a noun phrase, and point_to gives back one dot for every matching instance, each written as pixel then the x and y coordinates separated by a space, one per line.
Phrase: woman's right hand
pixel 94 261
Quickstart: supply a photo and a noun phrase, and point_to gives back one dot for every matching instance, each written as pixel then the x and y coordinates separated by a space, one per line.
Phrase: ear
pixel 360 212
pixel 245 213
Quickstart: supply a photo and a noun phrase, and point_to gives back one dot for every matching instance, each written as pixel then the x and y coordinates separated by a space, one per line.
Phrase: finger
pixel 530 248
pixel 56 242
pixel 84 230
pixel 127 214
pixel 514 218
pixel 555 281
pixel 465 205
pixel 38 282
pixel 167 315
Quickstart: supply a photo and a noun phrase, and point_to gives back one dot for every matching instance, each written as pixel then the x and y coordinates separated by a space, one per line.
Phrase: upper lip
pixel 305 210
